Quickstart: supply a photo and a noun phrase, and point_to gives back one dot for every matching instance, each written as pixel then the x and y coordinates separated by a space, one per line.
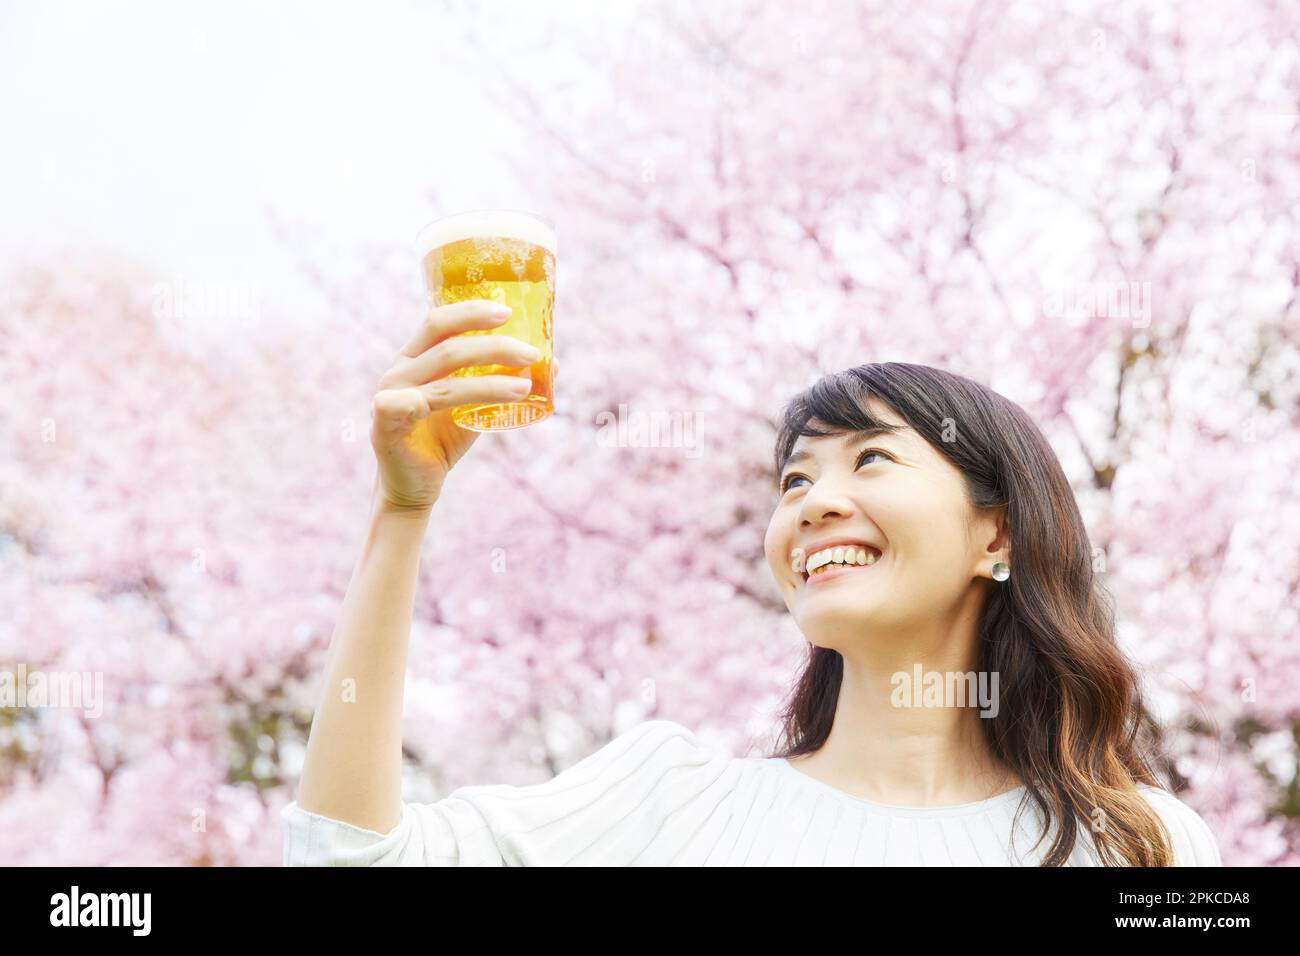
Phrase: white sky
pixel 164 130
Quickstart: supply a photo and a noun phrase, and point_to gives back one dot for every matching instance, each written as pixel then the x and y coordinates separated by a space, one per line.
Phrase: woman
pixel 964 701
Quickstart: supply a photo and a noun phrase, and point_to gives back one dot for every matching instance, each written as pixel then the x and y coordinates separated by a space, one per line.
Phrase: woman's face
pixel 902 502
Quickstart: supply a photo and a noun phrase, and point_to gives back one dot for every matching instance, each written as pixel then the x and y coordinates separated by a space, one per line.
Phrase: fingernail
pixel 530 353
pixel 501 310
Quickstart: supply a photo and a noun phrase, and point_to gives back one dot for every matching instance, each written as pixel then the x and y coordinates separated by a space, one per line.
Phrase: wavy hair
pixel 1071 718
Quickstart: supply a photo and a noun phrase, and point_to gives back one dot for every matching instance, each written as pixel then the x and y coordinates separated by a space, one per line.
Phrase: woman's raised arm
pixel 353 765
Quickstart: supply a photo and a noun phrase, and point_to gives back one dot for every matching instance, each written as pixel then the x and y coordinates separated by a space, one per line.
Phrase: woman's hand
pixel 416 442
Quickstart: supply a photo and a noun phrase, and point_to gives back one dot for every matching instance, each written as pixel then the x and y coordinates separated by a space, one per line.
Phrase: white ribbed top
pixel 656 796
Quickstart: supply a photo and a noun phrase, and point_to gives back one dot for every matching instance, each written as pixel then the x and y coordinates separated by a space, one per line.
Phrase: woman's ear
pixel 1001 542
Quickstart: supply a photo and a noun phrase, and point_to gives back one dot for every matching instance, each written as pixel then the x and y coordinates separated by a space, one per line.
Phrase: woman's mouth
pixel 837 569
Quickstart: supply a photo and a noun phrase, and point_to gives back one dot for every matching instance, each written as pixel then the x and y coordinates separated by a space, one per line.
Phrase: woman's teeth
pixel 848 555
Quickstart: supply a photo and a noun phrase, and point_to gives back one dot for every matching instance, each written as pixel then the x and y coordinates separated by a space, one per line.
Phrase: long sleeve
pixel 607 807
pixel 1193 841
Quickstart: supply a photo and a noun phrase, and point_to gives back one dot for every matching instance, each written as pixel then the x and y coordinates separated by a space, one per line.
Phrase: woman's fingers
pixel 397 409
pixel 460 351
pixel 443 321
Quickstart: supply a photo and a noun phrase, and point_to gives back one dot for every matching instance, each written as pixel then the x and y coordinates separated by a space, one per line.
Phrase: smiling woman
pixel 984 568
pixel 904 494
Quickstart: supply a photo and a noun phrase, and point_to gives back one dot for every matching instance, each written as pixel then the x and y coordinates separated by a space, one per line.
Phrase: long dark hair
pixel 1071 719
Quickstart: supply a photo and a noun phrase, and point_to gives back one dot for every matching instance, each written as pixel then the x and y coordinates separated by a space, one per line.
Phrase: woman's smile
pixel 837 571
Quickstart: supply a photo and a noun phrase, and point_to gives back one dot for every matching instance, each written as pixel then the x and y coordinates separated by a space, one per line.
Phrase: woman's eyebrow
pixel 852 438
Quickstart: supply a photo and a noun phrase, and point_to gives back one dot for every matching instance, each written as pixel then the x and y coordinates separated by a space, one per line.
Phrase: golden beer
pixel 507 257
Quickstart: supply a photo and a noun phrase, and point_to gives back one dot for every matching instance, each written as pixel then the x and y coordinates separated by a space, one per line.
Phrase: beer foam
pixel 485 224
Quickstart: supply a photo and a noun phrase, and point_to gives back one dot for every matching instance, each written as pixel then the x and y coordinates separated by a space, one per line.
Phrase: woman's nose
pixel 819 505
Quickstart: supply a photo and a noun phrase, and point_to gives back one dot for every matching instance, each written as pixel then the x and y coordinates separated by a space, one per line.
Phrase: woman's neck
pixel 893 745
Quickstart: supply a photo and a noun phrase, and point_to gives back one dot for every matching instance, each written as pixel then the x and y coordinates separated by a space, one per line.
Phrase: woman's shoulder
pixel 629 767
pixel 649 749
pixel 627 801
pixel 1194 841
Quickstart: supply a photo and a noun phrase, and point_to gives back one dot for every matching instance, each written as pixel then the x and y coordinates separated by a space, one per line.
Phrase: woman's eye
pixel 789 480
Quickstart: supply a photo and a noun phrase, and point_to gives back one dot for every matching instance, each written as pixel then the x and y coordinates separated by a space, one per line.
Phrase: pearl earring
pixel 1001 571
